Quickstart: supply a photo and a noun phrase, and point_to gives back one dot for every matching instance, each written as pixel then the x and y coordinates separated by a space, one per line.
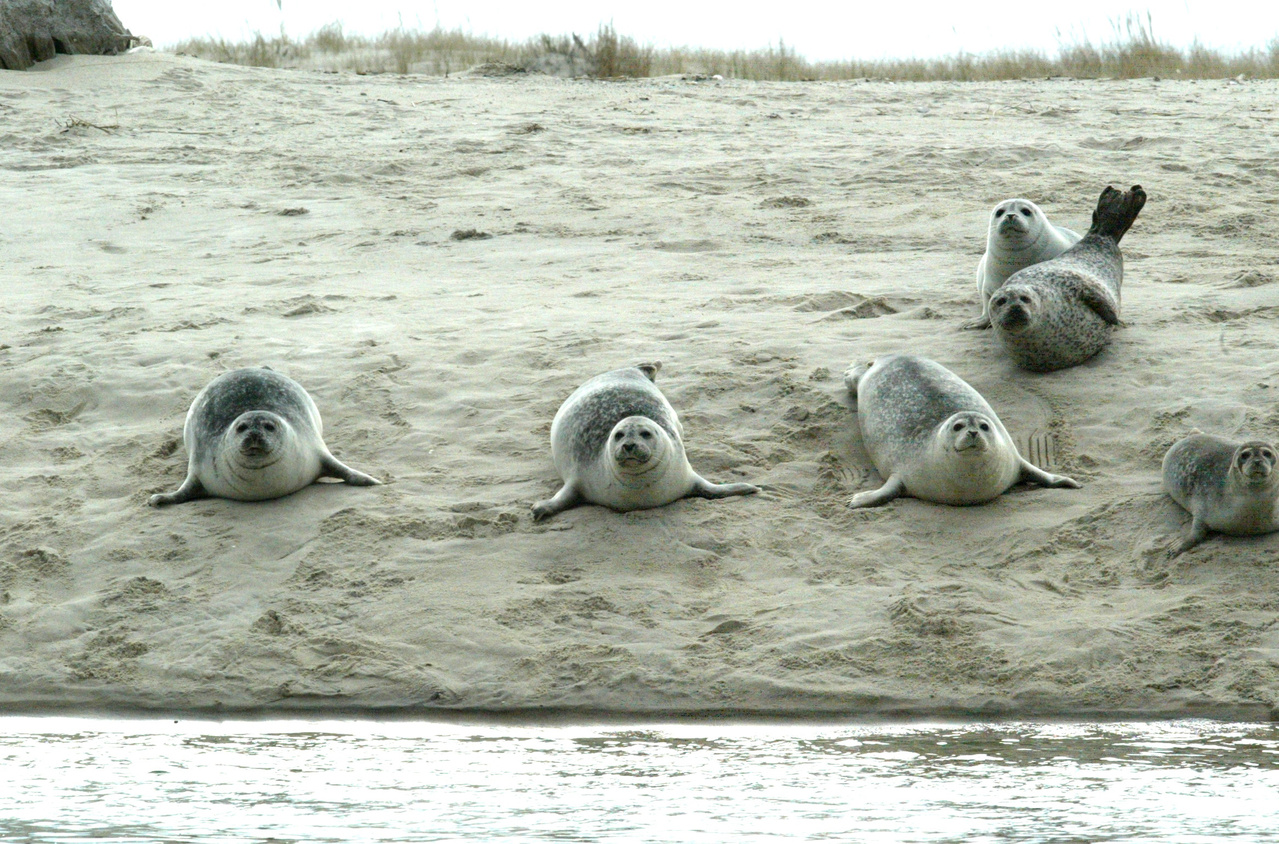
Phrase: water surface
pixel 85 779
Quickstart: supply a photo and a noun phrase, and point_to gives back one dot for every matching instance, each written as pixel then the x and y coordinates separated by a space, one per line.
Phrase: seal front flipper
pixel 1198 533
pixel 705 489
pixel 331 467
pixel 1100 303
pixel 1030 473
pixel 979 324
pixel 567 497
pixel 875 497
pixel 190 490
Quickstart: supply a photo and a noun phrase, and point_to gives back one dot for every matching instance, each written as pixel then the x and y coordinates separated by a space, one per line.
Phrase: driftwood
pixel 35 30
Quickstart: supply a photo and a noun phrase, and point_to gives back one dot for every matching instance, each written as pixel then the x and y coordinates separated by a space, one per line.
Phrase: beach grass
pixel 1133 51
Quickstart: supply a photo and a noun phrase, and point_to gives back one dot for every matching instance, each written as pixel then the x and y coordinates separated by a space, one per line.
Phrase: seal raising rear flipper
pixel 1059 313
pixel 1228 487
pixel 253 434
pixel 1018 236
pixel 616 441
pixel 932 436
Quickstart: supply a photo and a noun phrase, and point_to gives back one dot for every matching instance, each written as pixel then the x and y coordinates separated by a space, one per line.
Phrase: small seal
pixel 616 441
pixel 1059 313
pixel 932 436
pixel 1228 487
pixel 253 434
pixel 1019 235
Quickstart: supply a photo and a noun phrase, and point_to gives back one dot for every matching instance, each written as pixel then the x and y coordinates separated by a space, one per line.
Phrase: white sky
pixel 834 29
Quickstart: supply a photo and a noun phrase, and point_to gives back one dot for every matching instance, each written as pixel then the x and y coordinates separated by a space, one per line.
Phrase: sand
pixel 756 238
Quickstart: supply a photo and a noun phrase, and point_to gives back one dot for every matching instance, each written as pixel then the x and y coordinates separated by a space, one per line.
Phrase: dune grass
pixel 1132 52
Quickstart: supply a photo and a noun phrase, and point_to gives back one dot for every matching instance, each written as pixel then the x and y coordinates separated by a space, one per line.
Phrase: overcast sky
pixel 818 30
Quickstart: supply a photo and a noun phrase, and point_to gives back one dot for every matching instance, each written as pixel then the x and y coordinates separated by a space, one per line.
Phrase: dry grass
pixel 1132 52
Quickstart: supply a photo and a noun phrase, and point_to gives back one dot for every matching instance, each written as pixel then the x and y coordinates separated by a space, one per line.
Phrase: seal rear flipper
pixel 650 370
pixel 853 377
pixel 331 467
pixel 1116 212
pixel 894 488
pixel 190 490
pixel 705 489
pixel 1030 473
pixel 567 497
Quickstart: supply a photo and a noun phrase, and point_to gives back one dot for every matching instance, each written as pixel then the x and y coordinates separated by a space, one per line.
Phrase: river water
pixel 89 779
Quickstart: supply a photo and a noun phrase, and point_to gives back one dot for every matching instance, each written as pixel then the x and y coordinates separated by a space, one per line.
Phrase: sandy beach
pixel 441 261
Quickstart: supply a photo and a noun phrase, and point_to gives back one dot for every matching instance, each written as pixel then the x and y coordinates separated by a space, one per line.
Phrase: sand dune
pixel 754 237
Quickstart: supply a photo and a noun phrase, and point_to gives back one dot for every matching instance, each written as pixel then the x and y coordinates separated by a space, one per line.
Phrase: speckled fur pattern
pixel 1059 313
pixel 906 408
pixel 1204 474
pixel 284 418
pixel 1018 236
pixel 585 420
pixel 622 404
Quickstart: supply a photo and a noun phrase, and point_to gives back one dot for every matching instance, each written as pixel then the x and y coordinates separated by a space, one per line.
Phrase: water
pixel 82 779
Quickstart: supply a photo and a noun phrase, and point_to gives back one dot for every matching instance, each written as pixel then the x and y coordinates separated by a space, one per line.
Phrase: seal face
pixel 1228 487
pixel 1059 313
pixel 1018 236
pixel 616 441
pixel 932 436
pixel 253 434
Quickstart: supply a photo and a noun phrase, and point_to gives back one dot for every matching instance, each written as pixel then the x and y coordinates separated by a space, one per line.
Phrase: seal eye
pixel 242 427
pixel 959 426
pixel 985 427
pixel 270 426
pixel 1025 212
pixel 648 435
pixel 618 435
pixel 999 213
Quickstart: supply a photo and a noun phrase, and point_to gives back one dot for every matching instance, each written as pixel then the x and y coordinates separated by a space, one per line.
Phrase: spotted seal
pixel 616 441
pixel 1018 236
pixel 932 436
pixel 253 434
pixel 1059 313
pixel 1228 487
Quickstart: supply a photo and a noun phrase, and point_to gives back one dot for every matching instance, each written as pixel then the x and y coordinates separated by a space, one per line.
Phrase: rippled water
pixel 81 779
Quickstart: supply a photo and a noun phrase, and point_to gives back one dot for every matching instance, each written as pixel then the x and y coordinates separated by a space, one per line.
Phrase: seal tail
pixel 1116 211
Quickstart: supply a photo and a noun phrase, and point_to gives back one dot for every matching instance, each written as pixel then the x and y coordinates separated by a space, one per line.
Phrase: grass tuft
pixel 1132 52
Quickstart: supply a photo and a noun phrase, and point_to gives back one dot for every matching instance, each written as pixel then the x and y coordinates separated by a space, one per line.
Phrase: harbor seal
pixel 616 441
pixel 253 434
pixel 1059 313
pixel 1228 487
pixel 932 436
pixel 1019 235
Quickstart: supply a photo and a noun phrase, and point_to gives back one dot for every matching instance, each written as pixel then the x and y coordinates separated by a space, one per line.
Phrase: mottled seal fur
pixel 253 434
pixel 932 436
pixel 616 441
pixel 1227 486
pixel 1018 236
pixel 1059 313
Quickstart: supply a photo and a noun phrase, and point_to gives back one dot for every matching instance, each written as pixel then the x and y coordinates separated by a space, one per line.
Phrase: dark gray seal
pixel 1059 313
pixel 932 436
pixel 253 434
pixel 616 441
pixel 1018 236
pixel 1227 486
